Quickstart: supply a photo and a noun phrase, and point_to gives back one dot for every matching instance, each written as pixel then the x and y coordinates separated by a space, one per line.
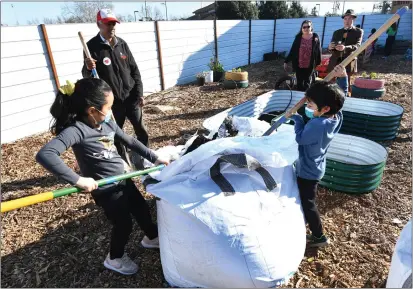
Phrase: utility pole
pixel 344 3
pixel 15 14
pixel 146 13
pixel 166 10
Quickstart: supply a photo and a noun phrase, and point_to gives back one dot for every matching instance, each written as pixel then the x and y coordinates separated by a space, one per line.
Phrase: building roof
pixel 205 9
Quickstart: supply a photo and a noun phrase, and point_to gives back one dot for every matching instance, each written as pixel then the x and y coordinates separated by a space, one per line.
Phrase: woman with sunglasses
pixel 305 55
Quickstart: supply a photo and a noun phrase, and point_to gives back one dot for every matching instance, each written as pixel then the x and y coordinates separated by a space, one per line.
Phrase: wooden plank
pixel 50 55
pixel 159 49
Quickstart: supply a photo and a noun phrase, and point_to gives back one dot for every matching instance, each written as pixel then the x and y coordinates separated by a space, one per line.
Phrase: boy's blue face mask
pixel 309 112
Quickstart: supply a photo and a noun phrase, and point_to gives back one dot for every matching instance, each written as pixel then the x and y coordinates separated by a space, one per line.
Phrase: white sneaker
pixel 150 244
pixel 122 265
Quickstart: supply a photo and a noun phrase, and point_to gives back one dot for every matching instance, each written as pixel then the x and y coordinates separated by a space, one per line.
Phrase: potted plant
pixel 200 77
pixel 236 78
pixel 217 68
pixel 368 86
pixel 236 74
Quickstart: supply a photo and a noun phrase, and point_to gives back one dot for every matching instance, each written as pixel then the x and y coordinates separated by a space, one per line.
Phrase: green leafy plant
pixel 373 75
pixel 364 74
pixel 216 65
pixel 236 70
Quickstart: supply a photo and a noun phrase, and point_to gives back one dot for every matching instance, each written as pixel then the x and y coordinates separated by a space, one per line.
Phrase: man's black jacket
pixel 117 67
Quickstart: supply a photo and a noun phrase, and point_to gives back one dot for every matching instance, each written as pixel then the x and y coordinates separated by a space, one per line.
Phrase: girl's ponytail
pixel 62 110
pixel 72 101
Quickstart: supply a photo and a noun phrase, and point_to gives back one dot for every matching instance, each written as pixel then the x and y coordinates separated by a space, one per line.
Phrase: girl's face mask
pixel 107 117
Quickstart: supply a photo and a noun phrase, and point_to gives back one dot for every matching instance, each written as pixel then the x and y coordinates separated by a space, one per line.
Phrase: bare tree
pixel 157 14
pixel 84 12
pixel 34 21
pixel 151 13
pixel 176 18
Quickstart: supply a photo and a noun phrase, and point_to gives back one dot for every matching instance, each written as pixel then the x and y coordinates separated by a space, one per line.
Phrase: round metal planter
pixel 374 120
pixel 367 93
pixel 355 165
pixel 371 119
pixel 232 84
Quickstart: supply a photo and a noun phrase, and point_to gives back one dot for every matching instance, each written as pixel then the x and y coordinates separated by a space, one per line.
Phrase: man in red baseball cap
pixel 105 16
pixel 115 64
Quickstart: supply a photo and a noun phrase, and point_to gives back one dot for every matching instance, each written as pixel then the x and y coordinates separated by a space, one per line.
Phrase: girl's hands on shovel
pixel 87 184
pixel 162 161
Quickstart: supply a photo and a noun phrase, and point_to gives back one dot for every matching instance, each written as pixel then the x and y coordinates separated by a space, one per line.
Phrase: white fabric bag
pixel 400 274
pixel 221 220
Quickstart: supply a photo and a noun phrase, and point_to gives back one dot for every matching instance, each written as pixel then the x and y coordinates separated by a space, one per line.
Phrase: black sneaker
pixel 317 242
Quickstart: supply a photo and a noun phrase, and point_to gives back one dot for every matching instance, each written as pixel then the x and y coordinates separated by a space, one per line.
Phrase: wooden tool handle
pixel 344 63
pixel 85 48
pixel 87 52
pixel 370 40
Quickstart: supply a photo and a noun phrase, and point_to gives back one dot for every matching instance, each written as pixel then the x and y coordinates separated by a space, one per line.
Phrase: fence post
pixel 49 53
pixel 273 36
pixel 249 45
pixel 159 48
pixel 324 29
pixel 216 39
pixel 362 22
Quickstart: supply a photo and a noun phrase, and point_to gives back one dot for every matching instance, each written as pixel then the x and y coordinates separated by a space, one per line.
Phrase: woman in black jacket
pixel 305 55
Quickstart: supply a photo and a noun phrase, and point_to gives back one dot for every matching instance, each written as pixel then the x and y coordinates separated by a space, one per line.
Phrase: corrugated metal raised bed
pixel 371 119
pixel 355 165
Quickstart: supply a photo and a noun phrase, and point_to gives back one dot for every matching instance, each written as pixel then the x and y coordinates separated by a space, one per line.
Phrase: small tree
pixel 296 10
pixel 314 11
pixel 385 7
pixel 331 14
pixel 273 10
pixel 236 10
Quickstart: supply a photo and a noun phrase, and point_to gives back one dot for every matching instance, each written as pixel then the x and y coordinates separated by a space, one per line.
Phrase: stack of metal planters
pixel 355 159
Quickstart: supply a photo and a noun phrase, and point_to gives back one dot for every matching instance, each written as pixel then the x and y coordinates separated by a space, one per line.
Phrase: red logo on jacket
pixel 122 56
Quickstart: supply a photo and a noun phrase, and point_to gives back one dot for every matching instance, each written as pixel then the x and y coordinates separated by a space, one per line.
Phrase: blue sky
pixel 25 11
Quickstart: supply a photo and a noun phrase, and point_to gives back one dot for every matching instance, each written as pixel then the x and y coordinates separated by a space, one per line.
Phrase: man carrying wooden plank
pixel 345 41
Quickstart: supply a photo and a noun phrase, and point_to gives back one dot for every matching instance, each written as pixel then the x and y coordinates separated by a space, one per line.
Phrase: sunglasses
pixel 306 27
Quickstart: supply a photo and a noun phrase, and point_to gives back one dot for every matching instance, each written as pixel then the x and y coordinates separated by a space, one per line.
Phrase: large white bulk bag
pixel 400 274
pixel 230 214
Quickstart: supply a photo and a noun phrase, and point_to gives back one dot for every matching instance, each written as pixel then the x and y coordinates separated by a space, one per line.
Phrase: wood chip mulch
pixel 63 242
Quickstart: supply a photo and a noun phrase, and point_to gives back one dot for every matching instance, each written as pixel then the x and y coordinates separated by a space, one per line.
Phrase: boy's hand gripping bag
pixel 230 214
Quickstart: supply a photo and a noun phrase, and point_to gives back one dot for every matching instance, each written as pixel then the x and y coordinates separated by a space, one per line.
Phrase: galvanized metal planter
pixel 355 165
pixel 371 119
